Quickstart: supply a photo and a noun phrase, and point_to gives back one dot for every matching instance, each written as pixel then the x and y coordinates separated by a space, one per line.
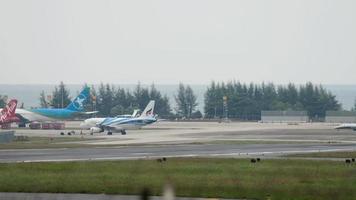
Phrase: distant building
pixel 340 117
pixel 284 116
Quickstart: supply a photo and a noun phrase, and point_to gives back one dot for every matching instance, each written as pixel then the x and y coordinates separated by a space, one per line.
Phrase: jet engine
pixel 96 130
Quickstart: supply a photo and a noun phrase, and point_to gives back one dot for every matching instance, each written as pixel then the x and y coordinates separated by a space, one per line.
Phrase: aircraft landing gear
pixel 123 132
pixel 109 133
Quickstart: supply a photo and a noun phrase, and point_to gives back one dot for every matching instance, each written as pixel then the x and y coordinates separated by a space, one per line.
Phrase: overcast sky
pixel 166 42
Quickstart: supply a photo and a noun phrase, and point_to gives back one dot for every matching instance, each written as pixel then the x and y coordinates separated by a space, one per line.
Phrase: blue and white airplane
pixel 75 108
pixel 94 122
pixel 121 124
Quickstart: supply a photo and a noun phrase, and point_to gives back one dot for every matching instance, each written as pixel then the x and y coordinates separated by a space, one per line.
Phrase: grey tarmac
pixel 156 151
pixel 192 139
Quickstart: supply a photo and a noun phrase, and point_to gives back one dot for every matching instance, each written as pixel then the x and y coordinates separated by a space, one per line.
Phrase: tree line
pixel 112 101
pixel 242 101
pixel 109 100
pixel 186 102
pixel 246 101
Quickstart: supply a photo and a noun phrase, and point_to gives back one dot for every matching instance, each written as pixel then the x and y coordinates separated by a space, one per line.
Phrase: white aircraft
pixel 346 126
pixel 119 124
pixel 94 121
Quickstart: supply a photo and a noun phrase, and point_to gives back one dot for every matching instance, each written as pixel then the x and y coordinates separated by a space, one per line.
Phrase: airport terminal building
pixel 340 117
pixel 279 116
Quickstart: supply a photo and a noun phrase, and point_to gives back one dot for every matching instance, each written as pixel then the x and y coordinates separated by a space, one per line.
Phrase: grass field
pixel 338 154
pixel 193 177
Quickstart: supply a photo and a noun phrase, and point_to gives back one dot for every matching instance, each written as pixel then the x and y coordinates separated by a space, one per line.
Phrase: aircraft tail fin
pixel 78 103
pixel 9 111
pixel 148 112
pixel 134 114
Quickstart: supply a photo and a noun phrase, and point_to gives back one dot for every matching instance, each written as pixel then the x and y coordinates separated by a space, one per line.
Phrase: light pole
pixel 225 107
pixel 62 90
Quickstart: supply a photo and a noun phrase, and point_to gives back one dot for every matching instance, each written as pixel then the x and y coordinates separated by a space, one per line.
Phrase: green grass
pixel 193 177
pixel 337 154
pixel 46 142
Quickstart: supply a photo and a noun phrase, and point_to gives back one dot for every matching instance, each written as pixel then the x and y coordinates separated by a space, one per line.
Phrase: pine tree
pixel 182 105
pixel 186 101
pixel 209 101
pixel 105 99
pixel 60 96
pixel 2 101
pixel 91 103
pixel 43 101
pixel 191 100
pixel 162 107
pixel 141 97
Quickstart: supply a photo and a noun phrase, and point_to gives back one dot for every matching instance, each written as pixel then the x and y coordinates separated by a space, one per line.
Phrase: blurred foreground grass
pixel 192 177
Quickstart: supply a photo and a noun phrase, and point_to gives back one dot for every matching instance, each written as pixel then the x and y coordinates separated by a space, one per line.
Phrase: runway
pixel 206 132
pixel 155 151
pixel 190 139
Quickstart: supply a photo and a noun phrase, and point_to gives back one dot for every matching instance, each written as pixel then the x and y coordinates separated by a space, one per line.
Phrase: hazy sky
pixel 162 41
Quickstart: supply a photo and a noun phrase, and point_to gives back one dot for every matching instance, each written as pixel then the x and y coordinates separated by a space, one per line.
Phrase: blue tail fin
pixel 78 103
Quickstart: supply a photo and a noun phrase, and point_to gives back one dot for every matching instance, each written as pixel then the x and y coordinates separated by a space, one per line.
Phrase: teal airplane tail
pixel 78 103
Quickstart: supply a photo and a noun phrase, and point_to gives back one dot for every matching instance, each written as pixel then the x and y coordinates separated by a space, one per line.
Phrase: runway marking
pixel 142 153
pixel 279 152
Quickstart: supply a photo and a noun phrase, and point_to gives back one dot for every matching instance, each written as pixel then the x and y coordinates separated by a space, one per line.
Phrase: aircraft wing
pixel 346 126
pixel 79 114
pixel 89 113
